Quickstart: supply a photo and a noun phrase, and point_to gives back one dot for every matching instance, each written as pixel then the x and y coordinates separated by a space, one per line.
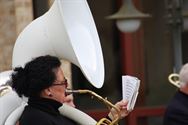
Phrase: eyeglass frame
pixel 63 83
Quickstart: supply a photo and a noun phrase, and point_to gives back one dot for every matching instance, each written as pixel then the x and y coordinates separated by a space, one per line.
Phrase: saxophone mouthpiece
pixel 70 91
pixel 79 91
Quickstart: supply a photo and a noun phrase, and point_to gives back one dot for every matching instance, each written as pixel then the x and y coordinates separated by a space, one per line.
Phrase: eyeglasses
pixel 65 83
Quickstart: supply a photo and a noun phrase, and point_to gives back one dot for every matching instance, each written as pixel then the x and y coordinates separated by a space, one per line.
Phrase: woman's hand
pixel 122 106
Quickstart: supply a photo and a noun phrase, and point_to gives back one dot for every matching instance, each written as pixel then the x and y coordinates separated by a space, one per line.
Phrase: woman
pixel 43 82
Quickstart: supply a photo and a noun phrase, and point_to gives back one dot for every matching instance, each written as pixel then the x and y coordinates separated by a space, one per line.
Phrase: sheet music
pixel 130 86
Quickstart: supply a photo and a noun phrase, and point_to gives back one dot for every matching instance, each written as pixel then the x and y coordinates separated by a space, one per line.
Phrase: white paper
pixel 130 86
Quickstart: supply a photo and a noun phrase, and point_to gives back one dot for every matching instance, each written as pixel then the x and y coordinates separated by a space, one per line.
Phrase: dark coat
pixel 177 110
pixel 42 111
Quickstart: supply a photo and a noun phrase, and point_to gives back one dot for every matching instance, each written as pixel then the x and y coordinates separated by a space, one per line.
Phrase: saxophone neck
pixel 104 100
pixel 71 91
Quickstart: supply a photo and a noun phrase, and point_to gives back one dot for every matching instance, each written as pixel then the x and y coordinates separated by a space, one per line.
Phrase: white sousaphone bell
pixel 67 31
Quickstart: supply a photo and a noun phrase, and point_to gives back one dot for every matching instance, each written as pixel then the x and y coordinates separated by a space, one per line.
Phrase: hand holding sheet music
pixel 130 86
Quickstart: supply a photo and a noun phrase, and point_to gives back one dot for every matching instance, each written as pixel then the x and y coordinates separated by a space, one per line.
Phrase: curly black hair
pixel 37 75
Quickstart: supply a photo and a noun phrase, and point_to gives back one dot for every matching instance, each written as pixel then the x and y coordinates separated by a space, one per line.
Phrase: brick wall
pixel 7 33
pixel 14 16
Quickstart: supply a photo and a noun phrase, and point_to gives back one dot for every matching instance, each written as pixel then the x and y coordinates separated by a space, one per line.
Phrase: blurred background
pixel 155 50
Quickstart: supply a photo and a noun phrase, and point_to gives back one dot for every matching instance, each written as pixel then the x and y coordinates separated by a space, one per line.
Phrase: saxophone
pixel 103 121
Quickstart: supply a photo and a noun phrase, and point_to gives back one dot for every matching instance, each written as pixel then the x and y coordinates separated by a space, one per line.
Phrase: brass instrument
pixel 58 33
pixel 174 79
pixel 103 121
pixel 4 89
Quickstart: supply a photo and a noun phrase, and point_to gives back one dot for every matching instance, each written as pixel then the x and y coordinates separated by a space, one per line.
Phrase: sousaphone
pixel 67 31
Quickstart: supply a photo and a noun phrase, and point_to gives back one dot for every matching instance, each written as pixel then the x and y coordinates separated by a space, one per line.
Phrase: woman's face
pixel 57 90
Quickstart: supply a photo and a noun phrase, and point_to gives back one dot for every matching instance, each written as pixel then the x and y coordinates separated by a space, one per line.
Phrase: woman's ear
pixel 47 92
